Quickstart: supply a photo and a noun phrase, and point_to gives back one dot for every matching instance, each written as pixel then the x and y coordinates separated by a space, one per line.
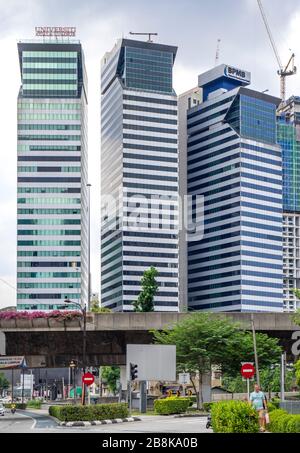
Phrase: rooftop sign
pixel 238 74
pixel 55 31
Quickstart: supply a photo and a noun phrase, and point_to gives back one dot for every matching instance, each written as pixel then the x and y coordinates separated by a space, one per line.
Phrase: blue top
pixel 257 399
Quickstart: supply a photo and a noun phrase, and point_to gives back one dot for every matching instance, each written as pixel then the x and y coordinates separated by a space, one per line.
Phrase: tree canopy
pixel 145 301
pixel 205 339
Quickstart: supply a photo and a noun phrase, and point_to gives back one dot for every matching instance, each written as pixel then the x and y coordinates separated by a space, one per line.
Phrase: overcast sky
pixel 193 25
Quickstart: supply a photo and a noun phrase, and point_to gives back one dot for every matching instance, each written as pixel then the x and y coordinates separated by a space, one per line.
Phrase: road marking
pixel 29 416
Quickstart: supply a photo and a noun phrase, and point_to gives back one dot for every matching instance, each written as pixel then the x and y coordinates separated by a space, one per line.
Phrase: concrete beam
pixel 144 322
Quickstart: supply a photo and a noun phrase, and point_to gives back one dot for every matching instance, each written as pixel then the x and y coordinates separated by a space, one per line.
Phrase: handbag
pixel 267 418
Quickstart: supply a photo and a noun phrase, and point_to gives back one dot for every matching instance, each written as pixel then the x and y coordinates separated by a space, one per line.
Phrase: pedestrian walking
pixel 259 403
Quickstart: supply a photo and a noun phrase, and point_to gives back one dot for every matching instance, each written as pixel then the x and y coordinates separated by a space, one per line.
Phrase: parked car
pixel 2 410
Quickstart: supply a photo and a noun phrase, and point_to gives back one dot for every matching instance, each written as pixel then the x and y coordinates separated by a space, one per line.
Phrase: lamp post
pixel 89 244
pixel 83 312
pixel 72 366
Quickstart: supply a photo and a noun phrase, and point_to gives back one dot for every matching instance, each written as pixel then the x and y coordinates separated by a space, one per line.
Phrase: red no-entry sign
pixel 88 378
pixel 247 370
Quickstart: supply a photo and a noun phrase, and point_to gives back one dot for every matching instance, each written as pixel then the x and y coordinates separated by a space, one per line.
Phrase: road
pixel 33 422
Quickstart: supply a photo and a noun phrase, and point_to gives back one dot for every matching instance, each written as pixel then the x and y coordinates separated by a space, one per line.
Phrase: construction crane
pixel 217 52
pixel 147 34
pixel 283 72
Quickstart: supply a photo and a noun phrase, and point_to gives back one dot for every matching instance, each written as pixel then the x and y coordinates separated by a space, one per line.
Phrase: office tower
pixel 52 175
pixel 235 162
pixel 186 101
pixel 139 172
pixel 288 134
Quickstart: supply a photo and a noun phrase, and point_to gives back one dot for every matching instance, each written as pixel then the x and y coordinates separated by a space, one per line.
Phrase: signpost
pixel 184 379
pixel 88 379
pixel 248 371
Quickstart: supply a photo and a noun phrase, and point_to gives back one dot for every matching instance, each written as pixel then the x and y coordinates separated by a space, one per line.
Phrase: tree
pixel 206 339
pixel 110 374
pixel 96 308
pixel 296 315
pixel 145 301
pixel 4 383
pixel 234 384
pixel 297 371
pixel 269 380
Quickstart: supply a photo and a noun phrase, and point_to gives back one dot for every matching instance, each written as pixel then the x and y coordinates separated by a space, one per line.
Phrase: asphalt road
pixel 33 422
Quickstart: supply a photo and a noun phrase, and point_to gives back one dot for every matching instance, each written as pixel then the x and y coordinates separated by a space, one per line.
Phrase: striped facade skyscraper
pixel 234 161
pixel 52 261
pixel 139 173
pixel 288 135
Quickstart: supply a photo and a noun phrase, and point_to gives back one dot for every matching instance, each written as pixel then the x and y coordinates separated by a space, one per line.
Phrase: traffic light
pixel 133 371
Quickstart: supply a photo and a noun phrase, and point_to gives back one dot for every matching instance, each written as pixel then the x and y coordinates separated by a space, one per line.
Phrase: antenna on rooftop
pixel 147 34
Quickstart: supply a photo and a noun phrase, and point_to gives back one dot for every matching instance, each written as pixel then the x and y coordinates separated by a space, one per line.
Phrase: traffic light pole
pixel 129 397
pixel 143 397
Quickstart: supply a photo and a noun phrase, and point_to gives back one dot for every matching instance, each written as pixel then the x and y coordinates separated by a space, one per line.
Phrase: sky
pixel 192 25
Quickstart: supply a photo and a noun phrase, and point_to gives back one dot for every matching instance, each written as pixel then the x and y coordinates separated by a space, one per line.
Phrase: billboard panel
pixel 155 362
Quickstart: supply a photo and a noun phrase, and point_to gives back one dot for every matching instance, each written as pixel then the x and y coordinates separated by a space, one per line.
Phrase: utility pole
pixel 255 349
pixel 282 376
pixel 12 385
pixel 89 245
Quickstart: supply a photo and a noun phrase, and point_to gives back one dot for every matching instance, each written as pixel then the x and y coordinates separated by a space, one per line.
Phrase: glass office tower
pixel 288 133
pixel 138 173
pixel 52 261
pixel 235 163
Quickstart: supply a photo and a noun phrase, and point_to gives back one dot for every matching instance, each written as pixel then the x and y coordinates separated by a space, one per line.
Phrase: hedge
pixel 234 417
pixel 282 422
pixel 17 405
pixel 34 404
pixel 207 406
pixel 70 413
pixel 172 405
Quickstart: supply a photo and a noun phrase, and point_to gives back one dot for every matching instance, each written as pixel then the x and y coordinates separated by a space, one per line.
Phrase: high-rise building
pixel 186 101
pixel 234 162
pixel 139 172
pixel 52 261
pixel 288 134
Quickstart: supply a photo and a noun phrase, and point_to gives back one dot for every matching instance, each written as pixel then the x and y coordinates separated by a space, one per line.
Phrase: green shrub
pixel 282 422
pixel 271 406
pixel 70 413
pixel 275 417
pixel 275 402
pixel 293 425
pixel 207 406
pixel 34 404
pixel 234 417
pixel 17 405
pixel 172 405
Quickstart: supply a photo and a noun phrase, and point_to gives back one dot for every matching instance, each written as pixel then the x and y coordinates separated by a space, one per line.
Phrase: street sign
pixel 184 378
pixel 247 370
pixel 11 362
pixel 88 379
